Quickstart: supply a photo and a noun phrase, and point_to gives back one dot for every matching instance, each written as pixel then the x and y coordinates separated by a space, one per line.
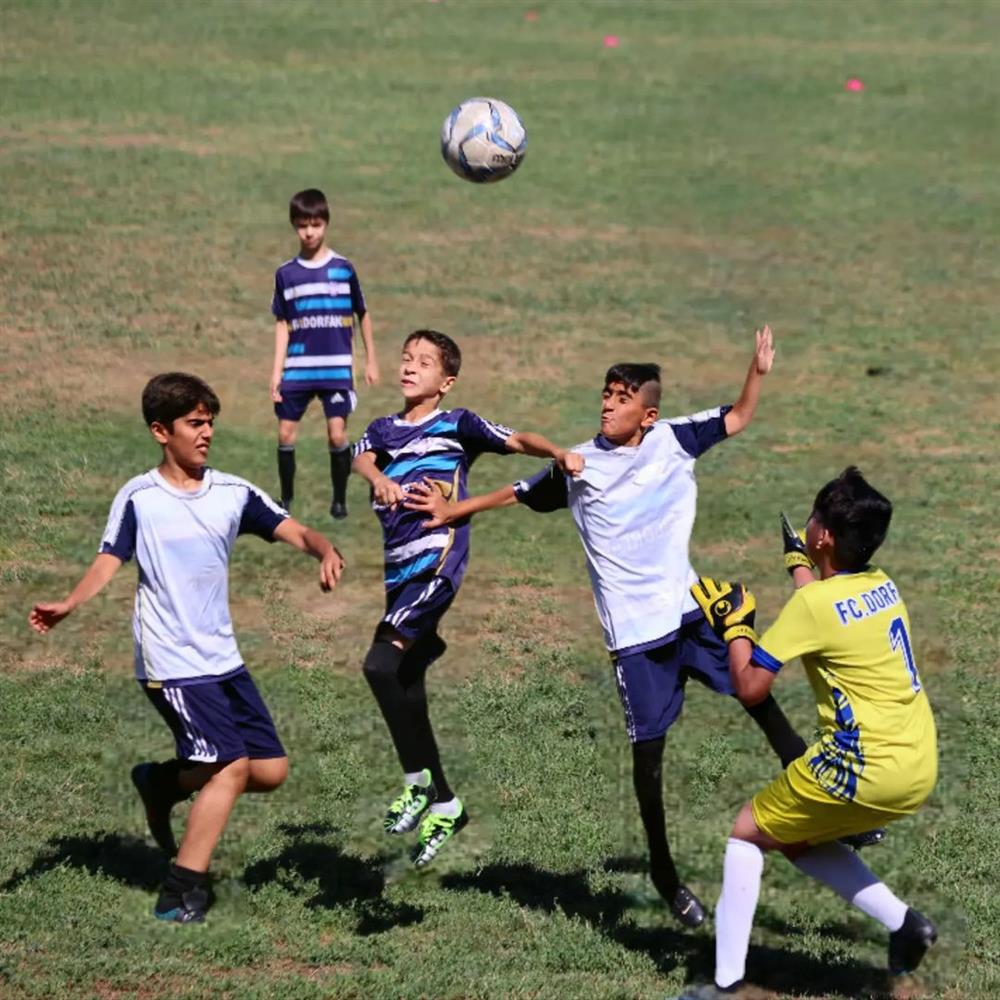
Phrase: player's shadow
pixel 607 911
pixel 334 878
pixel 126 859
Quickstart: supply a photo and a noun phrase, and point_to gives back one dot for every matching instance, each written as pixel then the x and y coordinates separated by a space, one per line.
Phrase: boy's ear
pixel 447 384
pixel 650 417
pixel 160 431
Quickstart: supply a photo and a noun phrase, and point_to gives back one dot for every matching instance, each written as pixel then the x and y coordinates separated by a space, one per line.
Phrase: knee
pixel 287 434
pixel 267 775
pixel 382 661
pixel 338 440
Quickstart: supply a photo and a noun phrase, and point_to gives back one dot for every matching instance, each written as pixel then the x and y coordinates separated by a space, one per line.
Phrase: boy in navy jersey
pixel 180 521
pixel 316 297
pixel 424 569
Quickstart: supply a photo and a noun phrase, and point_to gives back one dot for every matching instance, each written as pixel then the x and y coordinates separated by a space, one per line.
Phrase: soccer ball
pixel 483 140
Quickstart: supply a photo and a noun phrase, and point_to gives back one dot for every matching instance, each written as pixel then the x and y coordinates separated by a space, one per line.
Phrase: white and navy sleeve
pixel 119 535
pixel 478 435
pixel 278 299
pixel 543 492
pixel 371 440
pixel 700 431
pixel 261 515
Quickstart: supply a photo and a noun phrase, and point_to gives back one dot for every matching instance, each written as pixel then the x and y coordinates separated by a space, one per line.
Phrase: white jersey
pixel 181 541
pixel 634 509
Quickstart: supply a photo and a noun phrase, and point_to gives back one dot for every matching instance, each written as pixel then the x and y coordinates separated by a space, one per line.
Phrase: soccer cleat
pixel 687 907
pixel 435 831
pixel 190 910
pixel 338 511
pixel 406 811
pixel 158 805
pixel 909 944
pixel 870 838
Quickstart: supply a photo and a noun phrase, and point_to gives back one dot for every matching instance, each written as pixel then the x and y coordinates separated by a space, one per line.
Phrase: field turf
pixel 707 175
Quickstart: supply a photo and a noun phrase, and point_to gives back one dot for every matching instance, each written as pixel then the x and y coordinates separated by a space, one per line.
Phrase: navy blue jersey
pixel 318 301
pixel 441 447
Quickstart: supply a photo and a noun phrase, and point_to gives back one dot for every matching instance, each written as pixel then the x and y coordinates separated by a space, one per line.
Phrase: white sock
pixel 741 871
pixel 453 807
pixel 837 866
pixel 421 778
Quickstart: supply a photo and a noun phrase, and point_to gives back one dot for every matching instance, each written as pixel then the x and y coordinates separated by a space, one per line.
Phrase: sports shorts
pixel 795 808
pixel 651 681
pixel 336 402
pixel 218 720
pixel 416 606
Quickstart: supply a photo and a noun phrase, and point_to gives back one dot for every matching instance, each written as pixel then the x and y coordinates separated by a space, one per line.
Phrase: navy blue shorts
pixel 651 682
pixel 218 720
pixel 336 402
pixel 415 607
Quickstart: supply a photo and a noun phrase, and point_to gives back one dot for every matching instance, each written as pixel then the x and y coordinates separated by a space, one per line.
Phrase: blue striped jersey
pixel 441 447
pixel 634 508
pixel 181 542
pixel 318 300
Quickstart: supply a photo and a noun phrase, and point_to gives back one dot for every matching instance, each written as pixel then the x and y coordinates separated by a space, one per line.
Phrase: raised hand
pixel 764 352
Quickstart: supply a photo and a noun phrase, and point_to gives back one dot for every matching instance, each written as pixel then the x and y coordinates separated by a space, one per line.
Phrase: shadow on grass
pixel 343 879
pixel 126 859
pixel 669 948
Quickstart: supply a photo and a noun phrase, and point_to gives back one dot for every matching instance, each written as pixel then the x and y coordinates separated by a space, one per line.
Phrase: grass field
pixel 707 175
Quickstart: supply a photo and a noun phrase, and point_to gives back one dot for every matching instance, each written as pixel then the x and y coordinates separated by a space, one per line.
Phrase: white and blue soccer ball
pixel 483 140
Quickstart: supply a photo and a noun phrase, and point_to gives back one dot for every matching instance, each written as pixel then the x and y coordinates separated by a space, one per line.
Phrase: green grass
pixel 706 176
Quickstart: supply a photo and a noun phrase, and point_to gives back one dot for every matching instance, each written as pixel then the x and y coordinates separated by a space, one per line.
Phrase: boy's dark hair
pixel 308 204
pixel 451 356
pixel 172 394
pixel 857 516
pixel 641 378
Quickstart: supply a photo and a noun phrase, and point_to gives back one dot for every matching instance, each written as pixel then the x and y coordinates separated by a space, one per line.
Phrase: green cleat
pixel 406 811
pixel 435 831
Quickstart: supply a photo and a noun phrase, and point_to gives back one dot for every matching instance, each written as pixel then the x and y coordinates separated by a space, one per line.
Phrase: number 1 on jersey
pixel 898 639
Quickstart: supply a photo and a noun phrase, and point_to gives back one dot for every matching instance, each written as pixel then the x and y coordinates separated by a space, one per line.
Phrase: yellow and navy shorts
pixel 795 808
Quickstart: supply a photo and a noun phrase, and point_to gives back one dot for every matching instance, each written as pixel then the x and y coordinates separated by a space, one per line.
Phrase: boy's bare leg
pixel 221 785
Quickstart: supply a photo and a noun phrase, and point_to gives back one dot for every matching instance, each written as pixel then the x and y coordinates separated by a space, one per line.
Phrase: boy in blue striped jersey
pixel 316 297
pixel 424 444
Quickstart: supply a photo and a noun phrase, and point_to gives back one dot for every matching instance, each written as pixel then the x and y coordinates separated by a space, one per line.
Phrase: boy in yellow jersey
pixel 876 757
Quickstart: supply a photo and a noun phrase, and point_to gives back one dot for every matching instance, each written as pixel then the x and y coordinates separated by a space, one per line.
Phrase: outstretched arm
pixel 739 417
pixel 45 616
pixel 425 498
pixel 296 534
pixel 529 443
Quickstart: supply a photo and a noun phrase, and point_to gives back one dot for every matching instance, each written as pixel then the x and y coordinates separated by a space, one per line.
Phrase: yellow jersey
pixel 877 744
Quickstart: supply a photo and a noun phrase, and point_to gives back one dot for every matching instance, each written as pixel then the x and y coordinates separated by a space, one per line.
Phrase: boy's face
pixel 421 375
pixel 625 414
pixel 311 233
pixel 188 440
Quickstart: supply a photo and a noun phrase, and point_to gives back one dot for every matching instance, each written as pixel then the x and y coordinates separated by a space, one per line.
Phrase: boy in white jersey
pixel 317 295
pixel 634 508
pixel 180 521
pixel 876 757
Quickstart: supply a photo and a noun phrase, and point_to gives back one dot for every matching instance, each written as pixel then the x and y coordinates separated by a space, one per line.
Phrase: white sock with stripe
pixel 452 808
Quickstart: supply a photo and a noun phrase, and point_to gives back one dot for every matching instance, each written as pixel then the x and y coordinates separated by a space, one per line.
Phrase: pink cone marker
pixel 531 15
pixel 854 84
pixel 611 41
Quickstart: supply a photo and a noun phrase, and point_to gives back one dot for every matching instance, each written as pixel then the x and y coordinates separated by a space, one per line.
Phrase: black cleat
pixel 338 511
pixel 909 944
pixel 687 908
pixel 870 838
pixel 158 805
pixel 189 910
